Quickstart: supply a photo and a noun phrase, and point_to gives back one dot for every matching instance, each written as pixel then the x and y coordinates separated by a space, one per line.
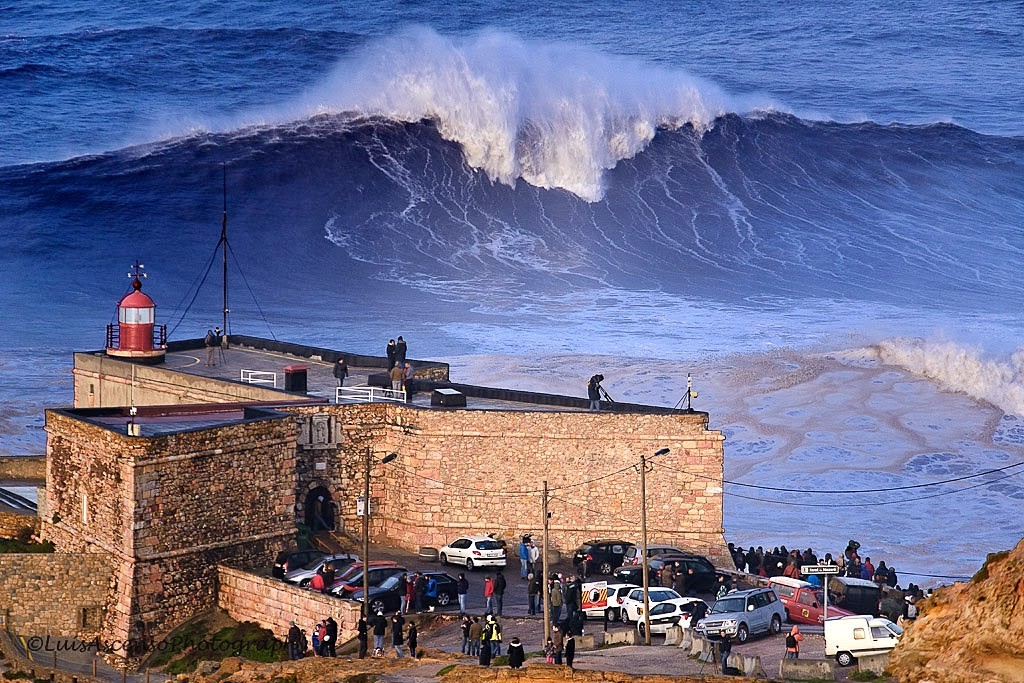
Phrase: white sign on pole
pixel 809 569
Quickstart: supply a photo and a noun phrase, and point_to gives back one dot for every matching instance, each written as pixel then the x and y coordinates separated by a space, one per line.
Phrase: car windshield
pixel 898 630
pixel 313 564
pixel 488 545
pixel 728 605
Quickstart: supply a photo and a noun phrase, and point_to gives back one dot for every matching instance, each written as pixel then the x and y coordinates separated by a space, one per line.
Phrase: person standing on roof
pixel 341 371
pixel 210 342
pixel 396 375
pixel 400 350
pixel 391 353
pixel 594 392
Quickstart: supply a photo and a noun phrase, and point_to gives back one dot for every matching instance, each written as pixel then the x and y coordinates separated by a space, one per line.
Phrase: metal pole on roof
pixel 643 548
pixel 366 536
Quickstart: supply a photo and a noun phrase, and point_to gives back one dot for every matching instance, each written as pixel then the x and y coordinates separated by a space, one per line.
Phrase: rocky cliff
pixel 971 632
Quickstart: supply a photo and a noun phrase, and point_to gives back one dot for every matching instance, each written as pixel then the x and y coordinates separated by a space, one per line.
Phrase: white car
pixel 615 591
pixel 473 552
pixel 632 608
pixel 671 613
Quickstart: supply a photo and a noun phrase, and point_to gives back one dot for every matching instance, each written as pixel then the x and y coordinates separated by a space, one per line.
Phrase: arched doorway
pixel 319 510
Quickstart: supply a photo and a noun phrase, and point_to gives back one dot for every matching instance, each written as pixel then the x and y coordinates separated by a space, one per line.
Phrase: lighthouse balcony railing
pixel 368 395
pixel 114 336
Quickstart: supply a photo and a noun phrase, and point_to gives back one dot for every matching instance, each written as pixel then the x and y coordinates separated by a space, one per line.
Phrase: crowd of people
pixel 783 562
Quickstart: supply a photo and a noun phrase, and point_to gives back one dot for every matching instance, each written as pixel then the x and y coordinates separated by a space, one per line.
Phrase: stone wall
pixel 168 509
pixel 24 467
pixel 275 604
pixel 46 593
pixel 472 471
pixel 101 382
pixel 11 523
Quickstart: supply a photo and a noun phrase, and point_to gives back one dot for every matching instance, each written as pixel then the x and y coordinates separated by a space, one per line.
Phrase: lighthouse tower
pixel 136 336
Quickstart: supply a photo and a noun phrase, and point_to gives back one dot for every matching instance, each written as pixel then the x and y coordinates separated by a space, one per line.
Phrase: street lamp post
pixel 366 526
pixel 643 542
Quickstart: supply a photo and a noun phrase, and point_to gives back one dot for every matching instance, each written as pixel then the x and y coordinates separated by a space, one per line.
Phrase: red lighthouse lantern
pixel 136 336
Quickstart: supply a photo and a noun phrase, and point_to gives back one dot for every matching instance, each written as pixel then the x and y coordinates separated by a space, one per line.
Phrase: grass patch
pixel 194 642
pixel 13 675
pixel 447 669
pixel 500 660
pixel 864 676
pixel 10 545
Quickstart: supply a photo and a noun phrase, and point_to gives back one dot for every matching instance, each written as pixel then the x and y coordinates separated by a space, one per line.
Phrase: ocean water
pixel 817 213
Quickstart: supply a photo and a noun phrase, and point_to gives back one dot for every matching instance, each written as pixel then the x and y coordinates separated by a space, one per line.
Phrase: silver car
pixel 741 614
pixel 303 575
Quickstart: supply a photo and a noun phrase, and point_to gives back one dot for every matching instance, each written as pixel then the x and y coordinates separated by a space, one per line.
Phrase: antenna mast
pixel 224 250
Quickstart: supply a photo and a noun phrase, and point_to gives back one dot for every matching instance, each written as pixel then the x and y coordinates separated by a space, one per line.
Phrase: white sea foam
pixel 959 368
pixel 555 115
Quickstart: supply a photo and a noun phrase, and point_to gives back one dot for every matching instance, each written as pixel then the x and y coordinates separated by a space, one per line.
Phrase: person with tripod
pixel 594 392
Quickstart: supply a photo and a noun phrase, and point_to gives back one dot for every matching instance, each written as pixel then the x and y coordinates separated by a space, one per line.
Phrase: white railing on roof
pixel 368 394
pixel 258 377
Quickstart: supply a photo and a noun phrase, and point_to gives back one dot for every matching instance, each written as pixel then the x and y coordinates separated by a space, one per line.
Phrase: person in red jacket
pixel 489 595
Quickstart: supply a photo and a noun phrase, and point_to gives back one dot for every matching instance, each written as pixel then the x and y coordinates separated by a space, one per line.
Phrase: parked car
pixel 632 555
pixel 665 615
pixel 704 578
pixel 602 556
pixel 632 608
pixel 857 596
pixel 377 574
pixel 303 574
pixel 473 552
pixel 804 602
pixel 288 560
pixel 850 637
pixel 387 597
pixel 741 614
pixel 615 593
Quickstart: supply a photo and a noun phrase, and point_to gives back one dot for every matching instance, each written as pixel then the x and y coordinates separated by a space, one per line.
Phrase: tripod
pixel 604 394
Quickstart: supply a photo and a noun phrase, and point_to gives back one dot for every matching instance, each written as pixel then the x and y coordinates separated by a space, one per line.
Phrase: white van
pixel 847 638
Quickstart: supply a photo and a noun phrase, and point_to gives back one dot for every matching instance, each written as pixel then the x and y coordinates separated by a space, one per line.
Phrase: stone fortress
pixel 170 480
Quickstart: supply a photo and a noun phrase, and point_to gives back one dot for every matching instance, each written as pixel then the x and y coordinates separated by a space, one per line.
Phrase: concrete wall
pixel 13 522
pixel 29 467
pixel 168 509
pixel 45 593
pixel 101 382
pixel 275 604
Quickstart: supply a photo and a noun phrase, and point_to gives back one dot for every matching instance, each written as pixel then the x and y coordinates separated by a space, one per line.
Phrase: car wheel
pixel 605 568
pixel 610 614
pixel 443 558
pixel 640 629
pixel 377 605
pixel 624 616
pixel 776 625
pixel 443 599
pixel 844 659
pixel 742 634
pixel 304 583
pixel 469 564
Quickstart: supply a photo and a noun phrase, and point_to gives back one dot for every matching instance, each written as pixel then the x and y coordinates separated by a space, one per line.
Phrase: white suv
pixel 473 552
pixel 632 608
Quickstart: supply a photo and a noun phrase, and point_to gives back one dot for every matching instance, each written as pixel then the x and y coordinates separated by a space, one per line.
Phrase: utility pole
pixel 224 252
pixel 545 594
pixel 366 536
pixel 643 548
pixel 643 541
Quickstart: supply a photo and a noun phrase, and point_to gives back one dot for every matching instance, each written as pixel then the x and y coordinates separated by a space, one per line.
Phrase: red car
pixel 804 602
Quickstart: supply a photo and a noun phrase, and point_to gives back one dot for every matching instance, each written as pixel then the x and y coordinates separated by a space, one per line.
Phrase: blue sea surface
pixel 655 180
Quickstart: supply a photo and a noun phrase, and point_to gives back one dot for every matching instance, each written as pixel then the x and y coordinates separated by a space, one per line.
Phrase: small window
pixel 806 598
pixel 617 550
pixel 784 591
pixel 879 632
pixel 859 634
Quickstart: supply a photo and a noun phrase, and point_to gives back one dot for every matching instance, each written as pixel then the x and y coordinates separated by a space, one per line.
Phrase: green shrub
pixel 864 676
pixel 446 670
pixel 10 545
pixel 17 674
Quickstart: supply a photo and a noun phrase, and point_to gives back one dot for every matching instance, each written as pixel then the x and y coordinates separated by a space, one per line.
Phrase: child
pixel 549 652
